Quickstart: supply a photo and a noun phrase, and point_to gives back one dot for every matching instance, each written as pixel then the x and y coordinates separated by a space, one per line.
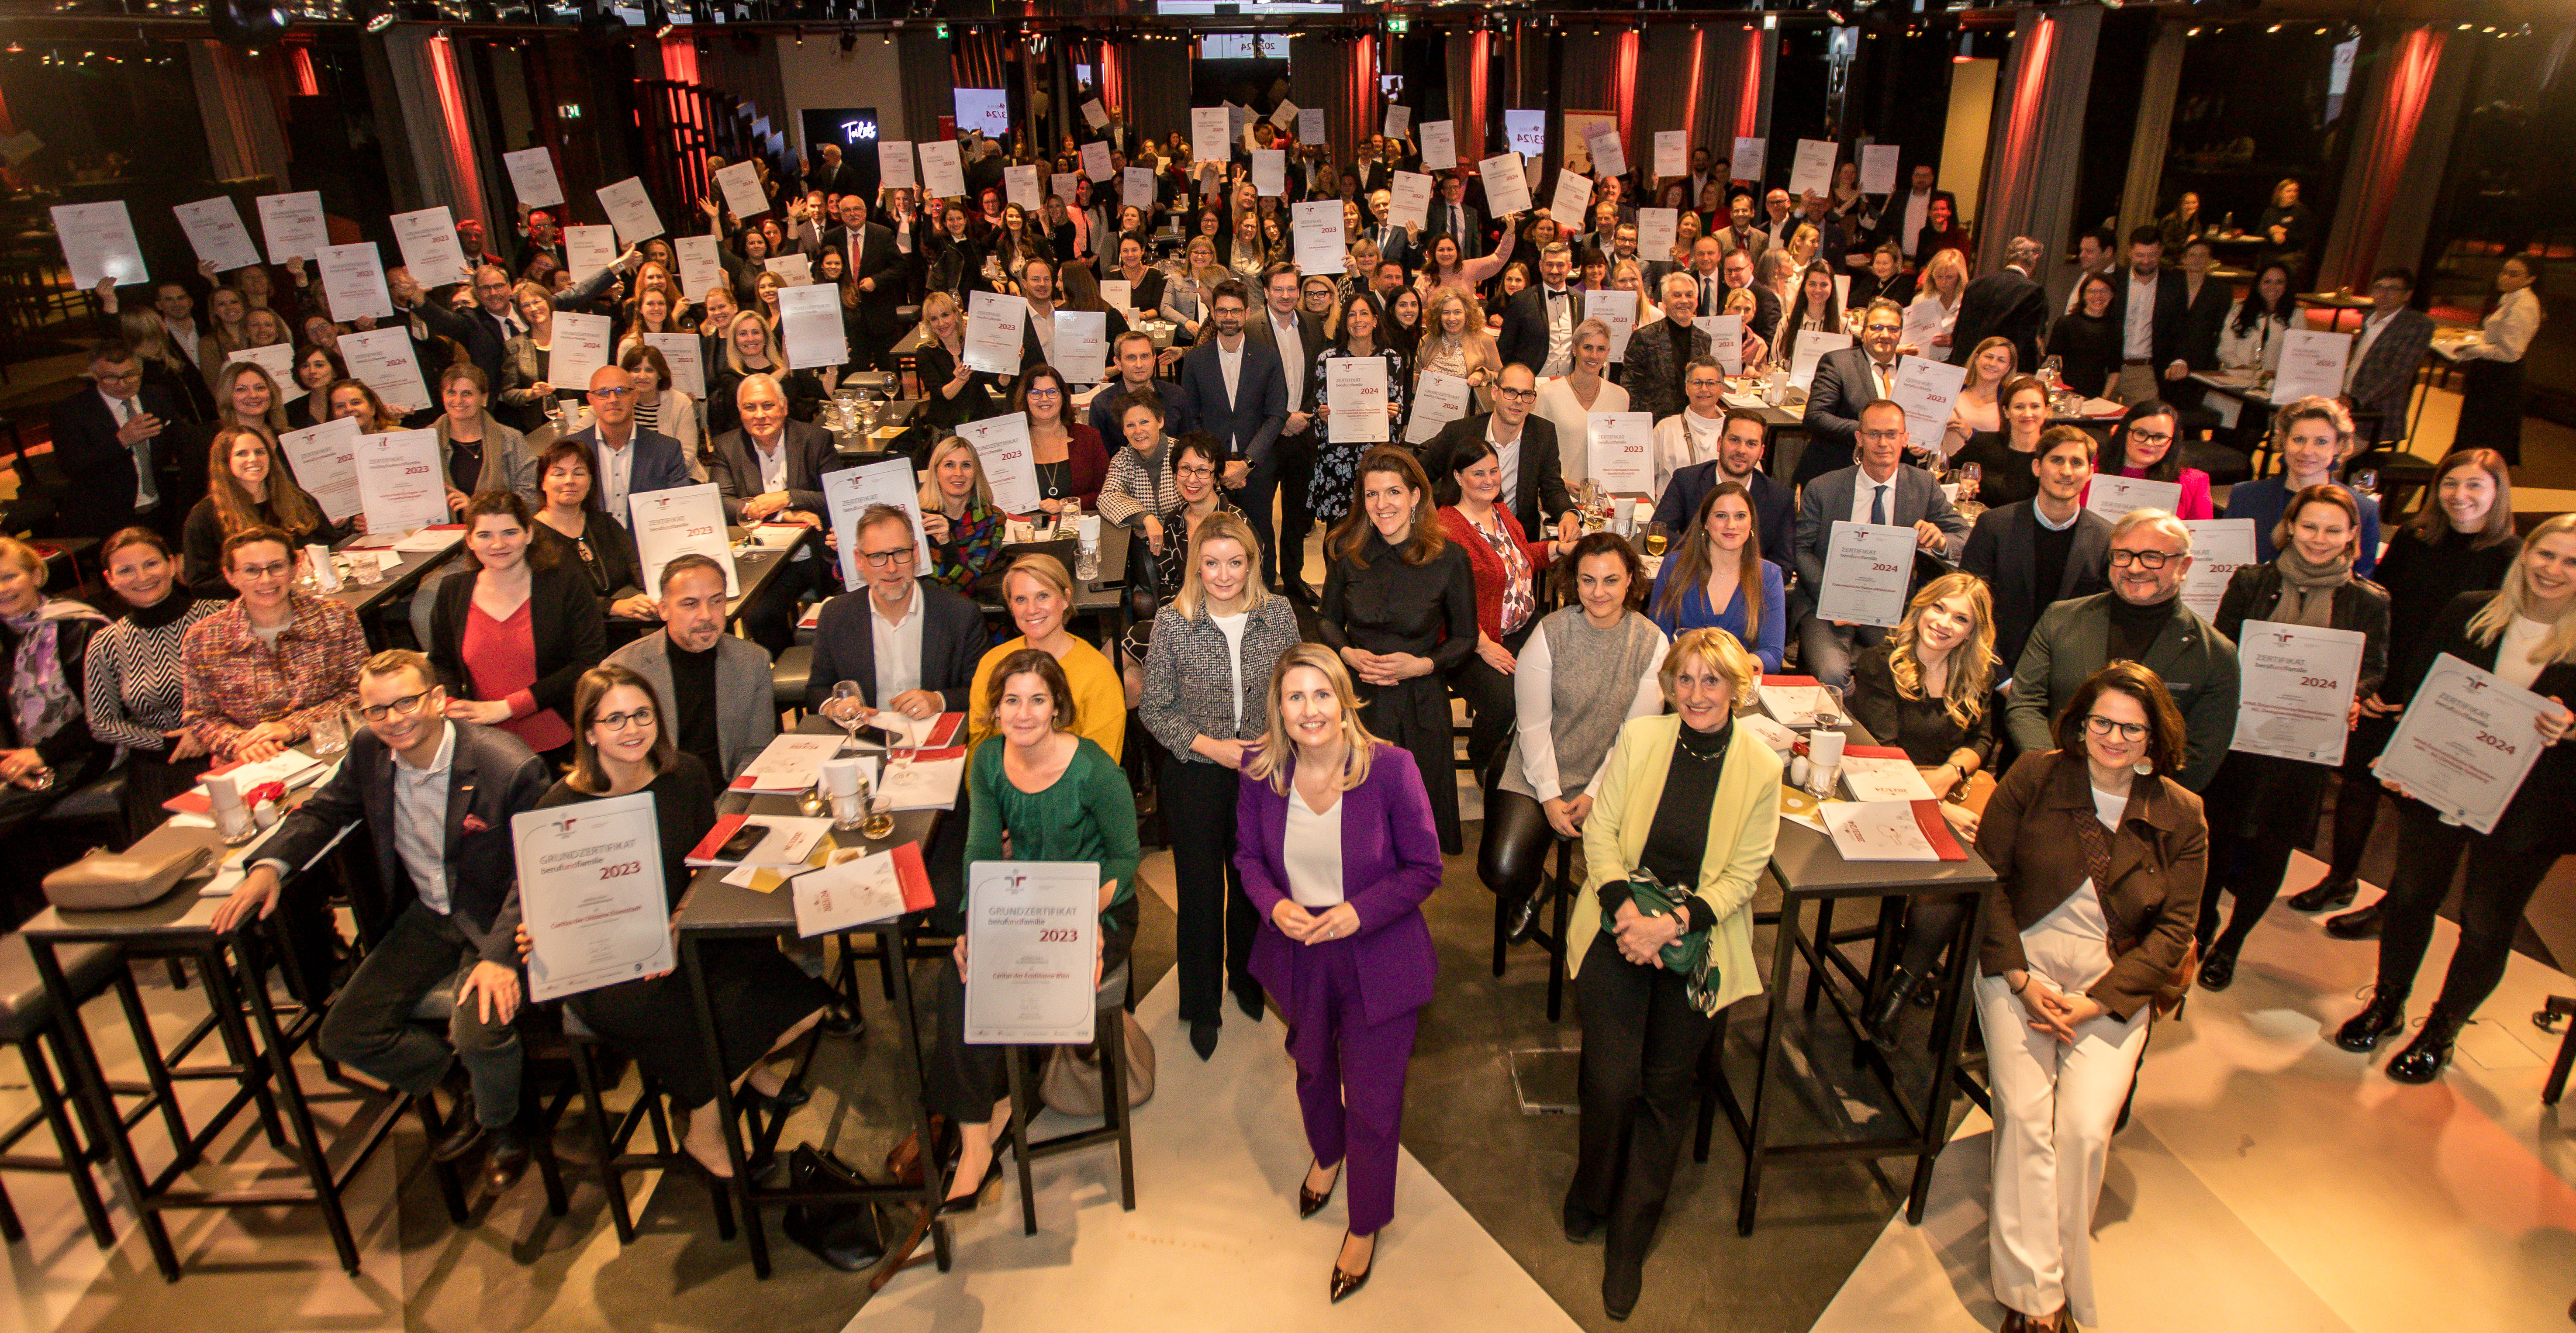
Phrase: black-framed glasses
pixel 1196 470
pixel 1516 395
pixel 641 717
pixel 2103 726
pixel 402 707
pixel 2122 558
pixel 901 556
pixel 2148 437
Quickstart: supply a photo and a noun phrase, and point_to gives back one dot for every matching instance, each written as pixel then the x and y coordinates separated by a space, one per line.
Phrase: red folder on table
pixel 1936 829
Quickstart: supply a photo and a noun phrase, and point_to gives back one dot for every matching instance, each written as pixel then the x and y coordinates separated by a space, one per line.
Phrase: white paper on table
pixel 1672 153
pixel 795 269
pixel 427 239
pixel 986 109
pixel 2112 496
pixel 1506 189
pixel 810 330
pixel 915 783
pixel 701 271
pixel 1813 171
pixel 1618 310
pixel 943 169
pixel 2312 362
pixel 683 520
pixel 587 250
pixel 894 165
pixel 385 360
pixel 1792 705
pixel 1408 199
pixel 1812 346
pixel 401 486
pixel 1136 189
pixel 1609 157
pixel 1658 229
pixel 740 184
pixel 1020 186
pixel 1573 196
pixel 630 209
pixel 1752 156
pixel 2465 743
pixel 354 281
pixel 1437 400
pixel 325 462
pixel 1082 345
pixel 843 894
pixel 216 233
pixel 1399 120
pixel 1095 115
pixel 1621 456
pixel 1310 124
pixel 786 842
pixel 1876 830
pixel 1030 948
pixel 789 763
pixel 1355 389
pixel 591 894
pixel 99 243
pixel 1211 134
pixel 2219 547
pixel 293 226
pixel 1868 567
pixel 581 344
pixel 1270 172
pixel 434 540
pixel 1889 778
pixel 2295 690
pixel 1526 132
pixel 1010 462
pixel 1095 161
pixel 532 177
pixel 1439 145
pixel 278 359
pixel 1725 340
pixel 1878 168
pixel 1928 390
pixel 849 492
pixel 684 354
pixel 992 340
pixel 1315 235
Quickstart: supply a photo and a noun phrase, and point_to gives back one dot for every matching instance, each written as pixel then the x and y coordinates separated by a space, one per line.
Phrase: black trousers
pixel 1642 1039
pixel 2248 868
pixel 1490 706
pixel 1513 857
pixel 1296 473
pixel 1217 923
pixel 2499 885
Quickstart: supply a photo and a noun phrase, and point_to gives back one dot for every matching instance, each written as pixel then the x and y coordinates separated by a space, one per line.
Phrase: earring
pixel 2143 767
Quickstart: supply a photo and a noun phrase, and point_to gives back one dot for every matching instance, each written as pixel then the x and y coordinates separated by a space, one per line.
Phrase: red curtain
pixel 1623 89
pixel 301 58
pixel 680 58
pixel 2410 80
pixel 1113 76
pixel 1748 101
pixel 459 128
pixel 982 60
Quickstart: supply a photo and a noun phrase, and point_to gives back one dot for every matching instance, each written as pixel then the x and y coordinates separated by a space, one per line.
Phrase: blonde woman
pixel 1454 342
pixel 1979 405
pixel 751 348
pixel 1038 594
pixel 959 517
pixel 955 394
pixel 1568 400
pixel 1757 351
pixel 524 388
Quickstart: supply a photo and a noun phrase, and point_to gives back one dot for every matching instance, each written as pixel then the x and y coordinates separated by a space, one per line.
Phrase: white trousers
pixel 2054 1105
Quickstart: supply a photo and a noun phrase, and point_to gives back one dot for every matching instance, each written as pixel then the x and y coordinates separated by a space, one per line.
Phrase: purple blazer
pixel 1390 863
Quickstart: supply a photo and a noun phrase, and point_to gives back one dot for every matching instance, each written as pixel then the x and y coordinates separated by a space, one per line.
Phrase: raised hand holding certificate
pixel 1506 187
pixel 591 892
pixel 384 359
pixel 894 165
pixel 1408 201
pixel 810 330
pixel 1813 170
pixel 2294 695
pixel 1658 229
pixel 325 459
pixel 848 493
pixel 2465 743
pixel 427 239
pixel 684 520
pixel 400 486
pixel 1095 161
pixel 1136 189
pixel 993 338
pixel 1211 137
pixel 99 243
pixel 740 183
pixel 1020 186
pixel 1609 157
pixel 216 232
pixel 630 208
pixel 943 169
pixel 700 270
pixel 1355 389
pixel 1269 172
pixel 1867 568
pixel 1032 941
pixel 1439 145
pixel 355 282
pixel 587 250
pixel 1926 389
pixel 1751 156
pixel 1621 453
pixel 1572 196
pixel 2112 496
pixel 1672 153
pixel 292 225
pixel 1001 444
pixel 532 177
pixel 1315 229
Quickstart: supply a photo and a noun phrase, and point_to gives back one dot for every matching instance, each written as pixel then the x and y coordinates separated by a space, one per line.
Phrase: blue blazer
pixel 2264 502
pixel 659 463
pixel 1690 611
pixel 1390 863
pixel 1249 424
pixel 1775 510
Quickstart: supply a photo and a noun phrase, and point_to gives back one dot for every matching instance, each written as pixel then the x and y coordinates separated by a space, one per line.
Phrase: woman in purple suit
pixel 1337 853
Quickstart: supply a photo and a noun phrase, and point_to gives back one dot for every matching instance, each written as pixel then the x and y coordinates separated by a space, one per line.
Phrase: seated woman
pixel 2072 965
pixel 1197 497
pixel 959 517
pixel 1717 579
pixel 1978 408
pixel 1039 595
pixel 1070 460
pixel 1504 565
pixel 1929 691
pixel 1140 485
pixel 131 675
pixel 481 454
pixel 761 999
pixel 660 406
pixel 1589 668
pixel 259 672
pixel 512 641
pixel 2004 457
pixel 46 750
pixel 247 486
pixel 2148 444
pixel 1662 938
pixel 1057 796
pixel 2085 341
pixel 573 531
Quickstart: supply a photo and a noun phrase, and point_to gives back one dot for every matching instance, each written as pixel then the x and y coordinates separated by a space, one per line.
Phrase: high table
pixel 2336 305
pixel 400 576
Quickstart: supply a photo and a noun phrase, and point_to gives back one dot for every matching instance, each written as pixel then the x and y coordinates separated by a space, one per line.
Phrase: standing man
pixel 1525 445
pixel 120 447
pixel 1296 335
pixel 2096 251
pixel 1880 489
pixel 1902 220
pixel 1538 325
pixel 1232 387
pixel 1700 173
pixel 723 708
pixel 1453 216
pixel 631 462
pixel 2380 378
pixel 2007 303
pixel 1740 450
pixel 1660 351
pixel 2043 550
pixel 2147 305
pixel 1846 379
pixel 1394 243
pixel 1739 233
pixel 877 269
pixel 1736 271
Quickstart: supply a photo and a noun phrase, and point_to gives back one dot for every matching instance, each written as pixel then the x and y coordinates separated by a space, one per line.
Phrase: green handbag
pixel 1688 954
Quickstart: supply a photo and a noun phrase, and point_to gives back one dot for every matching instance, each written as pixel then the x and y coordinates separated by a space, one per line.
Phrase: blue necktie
pixel 1878 505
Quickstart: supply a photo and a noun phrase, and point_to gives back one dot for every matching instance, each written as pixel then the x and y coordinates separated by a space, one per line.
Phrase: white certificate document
pixel 99 243
pixel 1285 114
pixel 1618 310
pixel 2219 546
pixel 1622 453
pixel 701 271
pixel 1609 157
pixel 1061 185
pixel 1315 230
pixel 427 239
pixel 894 166
pixel 1878 168
pixel 216 232
pixel 1399 119
pixel 1437 400
pixel 354 281
pixel 1211 138
pixel 1867 569
pixel 1882 773
pixel 740 183
pixel 385 360
pixel 1927 390
pixel 1082 345
pixel 841 894
pixel 1526 132
pixel 1672 154
pixel 532 177
pixel 993 340
pixel 809 326
pixel 630 210
pixel 2295 690
pixel 2312 362
pixel 587 250
pixel 1032 940
pixel 1657 230
pixel 849 492
pixel 1812 346
pixel 1310 124
pixel 677 522
pixel 985 109
pixel 1506 187
pixel 1750 158
pixel 1269 172
pixel 324 459
pixel 794 269
pixel 1020 186
pixel 2465 743
pixel 1725 340
pixel 581 348
pixel 1355 389
pixel 292 225
pixel 2112 496
pixel 1813 171
pixel 278 359
pixel 1118 294
pixel 1010 463
pixel 943 170
pixel 1572 199
pixel 1439 145
pixel 401 487
pixel 1136 189
pixel 1408 199
pixel 591 892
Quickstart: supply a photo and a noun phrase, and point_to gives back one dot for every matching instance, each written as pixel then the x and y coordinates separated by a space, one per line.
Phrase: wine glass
pixel 1655 540
pixel 849 707
pixel 1970 474
pixel 878 799
pixel 1829 707
pixel 2365 481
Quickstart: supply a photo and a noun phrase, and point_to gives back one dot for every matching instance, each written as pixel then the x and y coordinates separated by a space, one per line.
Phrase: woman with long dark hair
pixel 1362 333
pixel 247 486
pixel 1717 579
pixel 2491 401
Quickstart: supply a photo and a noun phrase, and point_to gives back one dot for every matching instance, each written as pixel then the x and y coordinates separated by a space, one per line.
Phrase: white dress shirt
pixel 1043 325
pixel 1508 454
pixel 1917 204
pixel 771 455
pixel 1292 352
pixel 898 647
pixel 1231 363
pixel 2140 330
pixel 1313 851
pixel 617 476
pixel 1559 304
pixel 1865 489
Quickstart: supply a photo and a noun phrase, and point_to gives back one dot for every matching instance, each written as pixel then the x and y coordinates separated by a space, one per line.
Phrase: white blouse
pixel 1313 848
pixel 2506 334
pixel 1557 403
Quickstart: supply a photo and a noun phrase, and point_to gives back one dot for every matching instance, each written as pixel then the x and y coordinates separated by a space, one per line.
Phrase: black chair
pixel 543 1051
pixel 789 675
pixel 32 1022
pixel 595 1067
pixel 1561 888
pixel 1109 1038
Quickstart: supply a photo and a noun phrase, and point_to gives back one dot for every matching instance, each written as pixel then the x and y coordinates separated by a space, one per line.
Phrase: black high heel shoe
pixel 967 1203
pixel 1309 1202
pixel 1346 1283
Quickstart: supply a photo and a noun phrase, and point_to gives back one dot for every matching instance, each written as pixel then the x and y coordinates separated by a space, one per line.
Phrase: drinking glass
pixel 847 706
pixel 1970 474
pixel 330 733
pixel 1829 712
pixel 2365 481
pixel 880 807
pixel 1655 540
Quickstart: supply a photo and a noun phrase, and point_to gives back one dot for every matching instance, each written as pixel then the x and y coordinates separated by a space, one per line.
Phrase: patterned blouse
pixel 1520 599
pixel 133 686
pixel 235 681
pixel 974 543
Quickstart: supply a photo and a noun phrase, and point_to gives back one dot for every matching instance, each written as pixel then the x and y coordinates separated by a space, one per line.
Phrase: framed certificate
pixel 1032 939
pixel 2465 743
pixel 591 892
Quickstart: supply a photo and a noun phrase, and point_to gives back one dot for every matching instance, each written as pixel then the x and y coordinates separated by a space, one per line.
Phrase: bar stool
pixel 788 677
pixel 539 1049
pixel 593 1066
pixel 32 1022
pixel 1562 886
pixel 1109 1039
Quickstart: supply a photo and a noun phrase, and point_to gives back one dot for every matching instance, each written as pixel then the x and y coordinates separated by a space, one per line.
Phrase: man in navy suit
pixel 1845 380
pixel 1878 489
pixel 631 462
pixel 1454 217
pixel 123 450
pixel 1232 388
pixel 1394 243
pixel 943 631
pixel 2006 303
pixel 1739 459
pixel 1135 358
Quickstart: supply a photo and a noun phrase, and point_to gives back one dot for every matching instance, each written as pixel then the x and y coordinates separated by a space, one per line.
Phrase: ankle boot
pixel 2384 1015
pixel 2424 1057
pixel 2330 894
pixel 1887 1008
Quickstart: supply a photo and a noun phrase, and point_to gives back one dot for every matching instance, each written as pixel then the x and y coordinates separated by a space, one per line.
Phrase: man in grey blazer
pixel 2043 550
pixel 2386 353
pixel 714 687
pixel 1660 349
pixel 631 462
pixel 941 634
pixel 1879 489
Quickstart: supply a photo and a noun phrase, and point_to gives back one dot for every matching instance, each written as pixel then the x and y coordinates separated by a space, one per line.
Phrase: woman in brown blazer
pixel 2098 857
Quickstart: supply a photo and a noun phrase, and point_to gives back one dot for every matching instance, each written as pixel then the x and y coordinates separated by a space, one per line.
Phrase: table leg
pixel 693 962
pixel 89 1081
pixel 1946 1035
pixel 934 1185
pixel 238 1048
pixel 1784 949
pixel 299 1114
pixel 156 1070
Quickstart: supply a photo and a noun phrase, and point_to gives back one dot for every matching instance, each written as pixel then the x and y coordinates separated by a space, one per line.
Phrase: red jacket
pixel 1485 564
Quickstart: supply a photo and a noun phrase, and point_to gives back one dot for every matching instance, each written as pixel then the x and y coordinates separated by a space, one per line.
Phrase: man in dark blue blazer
pixel 631 462
pixel 1395 243
pixel 112 436
pixel 1740 451
pixel 1134 355
pixel 948 629
pixel 1232 388
pixel 1845 380
pixel 1453 216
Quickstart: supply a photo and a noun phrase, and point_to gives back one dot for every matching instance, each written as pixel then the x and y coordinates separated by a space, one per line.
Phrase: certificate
pixel 894 166
pixel 993 340
pixel 1867 569
pixel 1118 294
pixel 1082 345
pixel 1408 199
pixel 943 171
pixel 325 462
pixel 354 282
pixel 1032 940
pixel 292 225
pixel 1878 168
pixel 1310 124
pixel 427 239
pixel 1751 157
pixel 740 182
pixel 1269 172
pixel 2294 690
pixel 1573 196
pixel 2312 363
pixel 1926 389
pixel 1725 340
pixel 1526 132
pixel 1622 453
pixel 278 359
pixel 587 250
pixel 1285 114
pixel 532 177
pixel 1882 773
pixel 2112 496
pixel 1439 145
pixel 1095 115
pixel 216 232
pixel 684 354
pixel 1020 186
pixel 1095 160
pixel 1355 388
pixel 1211 135
pixel 1506 188
pixel 2465 743
pixel 580 348
pixel 1608 157
pixel 1399 121
pixel 99 243
pixel 1672 153
pixel 1315 233
pixel 1618 310
pixel 1813 170
pixel 591 892
pixel 384 359
pixel 1437 400
pixel 1812 346
pixel 683 520
pixel 700 270
pixel 794 268
pixel 401 487
pixel 985 109
pixel 630 210
pixel 1657 230
pixel 810 330
pixel 849 492
pixel 2219 546
pixel 1136 189
pixel 857 890
pixel 1001 444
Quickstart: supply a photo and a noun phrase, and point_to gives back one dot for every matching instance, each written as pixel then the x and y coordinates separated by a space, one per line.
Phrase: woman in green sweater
pixel 1059 797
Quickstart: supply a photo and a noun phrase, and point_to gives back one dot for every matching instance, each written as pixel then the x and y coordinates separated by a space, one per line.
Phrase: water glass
pixel 330 734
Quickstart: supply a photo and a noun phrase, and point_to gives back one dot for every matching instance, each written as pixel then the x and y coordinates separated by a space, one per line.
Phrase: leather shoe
pixel 2218 966
pixel 508 1158
pixel 1249 999
pixel 1524 918
pixel 1888 1008
pixel 2361 925
pixel 2423 1059
pixel 1621 1284
pixel 2328 895
pixel 2384 1015
pixel 1346 1283
pixel 842 1021
pixel 1309 1202
pixel 464 1132
pixel 1203 1036
pixel 966 1203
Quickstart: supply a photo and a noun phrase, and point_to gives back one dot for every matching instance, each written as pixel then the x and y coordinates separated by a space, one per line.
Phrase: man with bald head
pixel 631 461
pixel 770 470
